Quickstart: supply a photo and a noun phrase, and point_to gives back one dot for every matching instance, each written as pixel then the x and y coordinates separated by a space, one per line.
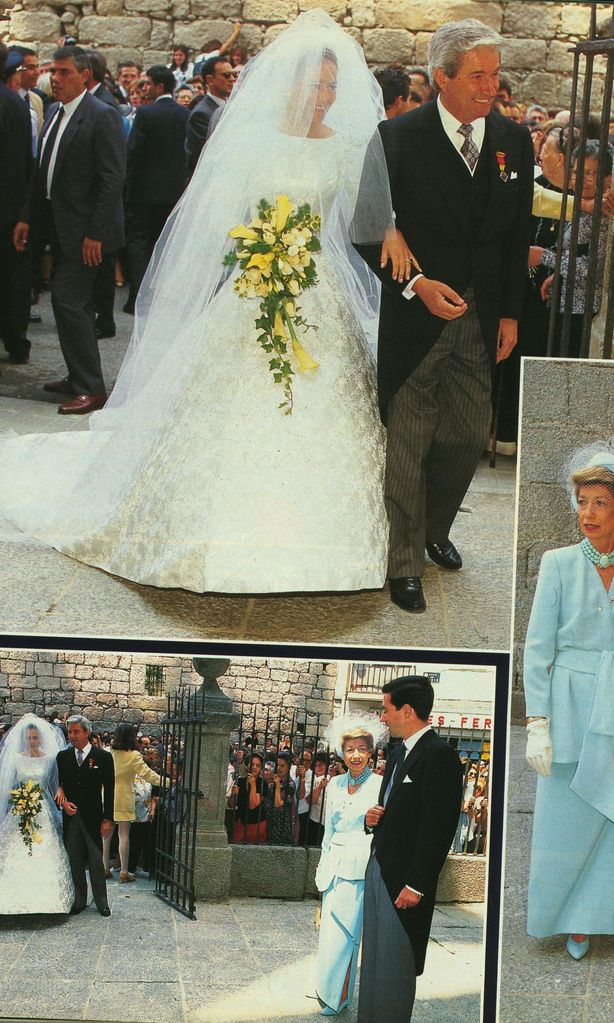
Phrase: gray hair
pixel 79 719
pixel 77 54
pixel 452 41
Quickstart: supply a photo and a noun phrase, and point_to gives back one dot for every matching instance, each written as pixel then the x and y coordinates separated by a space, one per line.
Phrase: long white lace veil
pixel 16 747
pixel 260 141
pixel 261 135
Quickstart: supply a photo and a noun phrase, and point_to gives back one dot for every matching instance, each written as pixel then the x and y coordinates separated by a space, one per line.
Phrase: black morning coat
pixel 417 828
pixel 91 787
pixel 464 231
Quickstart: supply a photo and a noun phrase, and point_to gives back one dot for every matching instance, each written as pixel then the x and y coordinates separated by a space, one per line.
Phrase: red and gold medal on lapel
pixel 501 161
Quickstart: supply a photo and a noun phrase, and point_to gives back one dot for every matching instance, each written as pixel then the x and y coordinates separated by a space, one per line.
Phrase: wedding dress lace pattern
pixel 192 477
pixel 42 882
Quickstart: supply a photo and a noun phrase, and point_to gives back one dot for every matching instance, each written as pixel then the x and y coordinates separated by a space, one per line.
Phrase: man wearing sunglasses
pixel 219 77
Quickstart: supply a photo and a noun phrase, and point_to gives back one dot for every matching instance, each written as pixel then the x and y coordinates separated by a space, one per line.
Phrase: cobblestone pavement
pixel 540 983
pixel 46 593
pixel 246 960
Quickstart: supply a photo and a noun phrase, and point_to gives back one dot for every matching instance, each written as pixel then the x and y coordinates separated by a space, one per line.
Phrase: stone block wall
pixel 109 688
pixel 535 53
pixel 566 405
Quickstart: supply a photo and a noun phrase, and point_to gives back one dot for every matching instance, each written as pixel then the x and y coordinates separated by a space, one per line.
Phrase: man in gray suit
pixel 76 192
pixel 219 77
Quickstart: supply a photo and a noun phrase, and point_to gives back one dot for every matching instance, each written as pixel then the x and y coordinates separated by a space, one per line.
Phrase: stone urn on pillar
pixel 213 857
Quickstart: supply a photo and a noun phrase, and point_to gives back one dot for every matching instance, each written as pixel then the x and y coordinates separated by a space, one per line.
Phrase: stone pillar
pixel 213 858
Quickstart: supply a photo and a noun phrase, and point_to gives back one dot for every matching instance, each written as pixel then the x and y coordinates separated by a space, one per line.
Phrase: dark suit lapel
pixel 412 757
pixel 445 165
pixel 69 133
pixel 495 141
pixel 391 762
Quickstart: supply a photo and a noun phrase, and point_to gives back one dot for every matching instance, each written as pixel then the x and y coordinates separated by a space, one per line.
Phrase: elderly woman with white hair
pixel 568 671
pixel 345 853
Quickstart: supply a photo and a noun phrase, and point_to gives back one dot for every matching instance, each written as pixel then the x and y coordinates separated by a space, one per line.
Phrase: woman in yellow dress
pixel 128 763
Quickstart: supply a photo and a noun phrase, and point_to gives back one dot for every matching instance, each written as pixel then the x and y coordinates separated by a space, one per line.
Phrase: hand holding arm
pixel 396 250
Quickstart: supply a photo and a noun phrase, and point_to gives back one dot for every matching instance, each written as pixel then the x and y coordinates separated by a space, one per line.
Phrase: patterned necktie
pixel 469 149
pixel 79 757
pixel 48 150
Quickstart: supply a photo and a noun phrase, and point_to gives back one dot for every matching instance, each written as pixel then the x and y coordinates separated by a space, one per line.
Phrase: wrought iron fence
pixel 182 732
pixel 599 264
pixel 300 737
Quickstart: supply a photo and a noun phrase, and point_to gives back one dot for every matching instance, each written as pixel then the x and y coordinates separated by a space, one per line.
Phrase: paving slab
pixel 248 959
pixel 43 592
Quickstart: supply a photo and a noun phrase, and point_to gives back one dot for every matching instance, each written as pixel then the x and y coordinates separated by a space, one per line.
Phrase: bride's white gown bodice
pixel 218 490
pixel 42 882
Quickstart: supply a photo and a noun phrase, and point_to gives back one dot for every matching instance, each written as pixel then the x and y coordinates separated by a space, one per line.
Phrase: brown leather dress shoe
pixel 82 403
pixel 59 386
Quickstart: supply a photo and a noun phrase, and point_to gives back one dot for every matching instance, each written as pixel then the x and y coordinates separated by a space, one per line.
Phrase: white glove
pixel 539 745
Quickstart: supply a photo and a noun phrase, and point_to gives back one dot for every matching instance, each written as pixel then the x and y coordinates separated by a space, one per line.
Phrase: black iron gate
pixel 182 734
pixel 598 47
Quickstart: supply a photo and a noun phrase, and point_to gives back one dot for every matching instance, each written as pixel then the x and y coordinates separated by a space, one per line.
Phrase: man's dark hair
pixel 416 690
pixel 209 66
pixel 393 82
pixel 129 63
pixel 163 76
pixel 321 758
pixel 98 65
pixel 77 54
pixel 23 51
pixel 506 86
pixel 419 71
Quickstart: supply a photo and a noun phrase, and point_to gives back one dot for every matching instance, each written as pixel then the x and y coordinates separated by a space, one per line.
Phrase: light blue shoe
pixel 577 949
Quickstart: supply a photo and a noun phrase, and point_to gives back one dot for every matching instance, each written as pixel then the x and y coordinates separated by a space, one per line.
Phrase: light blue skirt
pixel 340 934
pixel 572 861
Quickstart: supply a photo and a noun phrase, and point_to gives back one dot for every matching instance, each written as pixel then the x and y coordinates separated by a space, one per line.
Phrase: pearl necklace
pixel 361 777
pixel 599 559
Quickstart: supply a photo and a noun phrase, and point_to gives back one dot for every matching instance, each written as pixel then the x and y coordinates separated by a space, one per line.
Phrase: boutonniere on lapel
pixel 501 162
pixel 91 763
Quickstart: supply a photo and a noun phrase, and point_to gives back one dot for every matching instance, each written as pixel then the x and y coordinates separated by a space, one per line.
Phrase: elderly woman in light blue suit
pixel 345 853
pixel 569 687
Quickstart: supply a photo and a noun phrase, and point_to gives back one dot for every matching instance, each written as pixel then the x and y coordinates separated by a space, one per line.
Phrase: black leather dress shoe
pixel 407 593
pixel 445 555
pixel 105 330
pixel 105 911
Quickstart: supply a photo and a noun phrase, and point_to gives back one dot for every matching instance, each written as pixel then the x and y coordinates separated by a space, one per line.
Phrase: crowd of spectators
pixel 144 150
pixel 276 792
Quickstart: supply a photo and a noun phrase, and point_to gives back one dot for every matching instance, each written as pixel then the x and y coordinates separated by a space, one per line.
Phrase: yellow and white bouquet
pixel 274 252
pixel 25 802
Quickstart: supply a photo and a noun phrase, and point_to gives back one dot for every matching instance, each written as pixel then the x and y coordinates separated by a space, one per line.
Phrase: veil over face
pixel 31 736
pixel 311 82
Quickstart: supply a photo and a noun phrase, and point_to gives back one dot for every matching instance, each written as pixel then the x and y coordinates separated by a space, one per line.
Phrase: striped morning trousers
pixel 438 427
pixel 388 970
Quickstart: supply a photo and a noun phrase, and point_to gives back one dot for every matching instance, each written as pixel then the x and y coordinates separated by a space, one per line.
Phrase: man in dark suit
pixel 15 166
pixel 87 789
pixel 413 827
pixel 96 84
pixel 76 189
pixel 156 171
pixel 219 77
pixel 461 180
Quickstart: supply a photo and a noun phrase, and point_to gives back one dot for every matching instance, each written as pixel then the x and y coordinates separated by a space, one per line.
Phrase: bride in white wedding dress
pixel 40 882
pixel 191 476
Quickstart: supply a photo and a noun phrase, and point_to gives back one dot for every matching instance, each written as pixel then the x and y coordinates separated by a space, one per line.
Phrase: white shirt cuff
pixel 409 293
pixel 414 890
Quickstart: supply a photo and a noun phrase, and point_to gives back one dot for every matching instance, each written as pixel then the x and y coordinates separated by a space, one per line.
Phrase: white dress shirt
pixel 69 109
